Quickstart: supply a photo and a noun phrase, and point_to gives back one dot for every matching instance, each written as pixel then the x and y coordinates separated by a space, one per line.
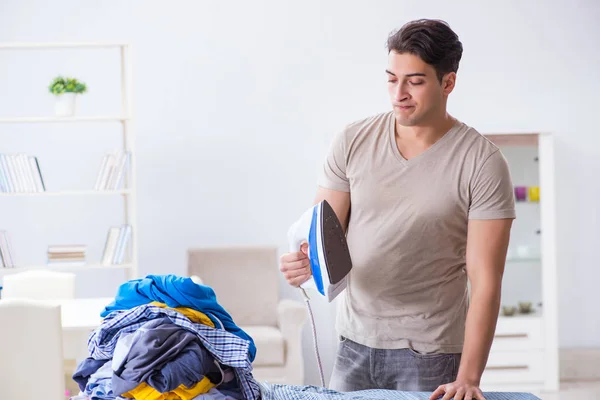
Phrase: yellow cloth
pixel 145 392
pixel 190 313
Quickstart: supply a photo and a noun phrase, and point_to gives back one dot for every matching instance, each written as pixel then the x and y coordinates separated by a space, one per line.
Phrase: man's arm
pixel 334 186
pixel 487 243
pixel 338 200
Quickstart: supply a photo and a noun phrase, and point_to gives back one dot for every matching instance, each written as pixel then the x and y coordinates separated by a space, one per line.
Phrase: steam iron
pixel 328 252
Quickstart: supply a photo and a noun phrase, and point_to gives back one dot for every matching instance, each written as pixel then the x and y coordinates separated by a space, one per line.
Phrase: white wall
pixel 235 104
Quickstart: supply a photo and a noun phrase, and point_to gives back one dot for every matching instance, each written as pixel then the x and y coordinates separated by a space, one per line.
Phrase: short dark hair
pixel 432 40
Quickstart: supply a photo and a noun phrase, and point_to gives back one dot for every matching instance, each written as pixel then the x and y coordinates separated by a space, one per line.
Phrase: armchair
pixel 42 284
pixel 47 284
pixel 246 283
pixel 31 348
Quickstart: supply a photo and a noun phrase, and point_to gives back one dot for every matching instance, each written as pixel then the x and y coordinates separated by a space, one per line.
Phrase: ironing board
pixel 290 392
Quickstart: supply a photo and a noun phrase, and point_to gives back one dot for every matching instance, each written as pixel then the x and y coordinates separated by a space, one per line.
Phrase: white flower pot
pixel 65 105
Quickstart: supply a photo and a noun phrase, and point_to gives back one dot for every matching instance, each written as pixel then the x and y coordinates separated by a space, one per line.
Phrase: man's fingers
pixel 450 392
pixel 304 248
pixel 294 273
pixel 301 265
pixel 291 257
pixel 460 394
pixel 295 267
pixel 438 392
pixel 457 392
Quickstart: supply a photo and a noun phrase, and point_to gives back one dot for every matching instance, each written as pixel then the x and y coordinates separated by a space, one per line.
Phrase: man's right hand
pixel 296 266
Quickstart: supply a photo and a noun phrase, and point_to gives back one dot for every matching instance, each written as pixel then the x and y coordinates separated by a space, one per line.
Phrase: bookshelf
pixel 33 120
pixel 125 192
pixel 116 177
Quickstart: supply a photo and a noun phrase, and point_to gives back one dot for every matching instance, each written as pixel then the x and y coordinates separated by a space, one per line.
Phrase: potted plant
pixel 66 91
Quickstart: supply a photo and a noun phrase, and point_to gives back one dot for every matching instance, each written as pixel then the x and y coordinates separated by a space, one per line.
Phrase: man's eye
pixel 392 80
pixel 416 83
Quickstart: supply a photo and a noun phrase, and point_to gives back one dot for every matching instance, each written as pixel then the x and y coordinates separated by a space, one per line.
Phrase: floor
pixel 575 391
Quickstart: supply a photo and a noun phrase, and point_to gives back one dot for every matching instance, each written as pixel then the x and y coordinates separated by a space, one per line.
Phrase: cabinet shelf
pixel 64 268
pixel 47 46
pixel 21 120
pixel 536 315
pixel 523 259
pixel 125 192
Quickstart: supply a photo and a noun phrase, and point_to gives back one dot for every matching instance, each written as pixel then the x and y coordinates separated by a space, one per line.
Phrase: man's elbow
pixel 487 286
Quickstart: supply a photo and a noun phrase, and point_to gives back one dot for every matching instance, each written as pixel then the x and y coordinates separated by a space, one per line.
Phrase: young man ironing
pixel 427 203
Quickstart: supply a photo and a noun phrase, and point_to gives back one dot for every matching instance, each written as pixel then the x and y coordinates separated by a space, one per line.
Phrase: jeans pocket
pixel 440 367
pixel 431 356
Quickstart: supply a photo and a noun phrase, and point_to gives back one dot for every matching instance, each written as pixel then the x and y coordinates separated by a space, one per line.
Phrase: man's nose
pixel 401 92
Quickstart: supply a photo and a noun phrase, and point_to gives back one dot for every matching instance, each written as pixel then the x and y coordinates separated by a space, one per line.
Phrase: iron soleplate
pixel 335 247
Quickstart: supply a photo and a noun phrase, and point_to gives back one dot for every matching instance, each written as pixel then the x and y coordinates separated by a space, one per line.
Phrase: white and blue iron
pixel 328 253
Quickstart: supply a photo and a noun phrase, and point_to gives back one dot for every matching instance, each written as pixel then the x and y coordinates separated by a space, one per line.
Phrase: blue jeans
pixel 358 367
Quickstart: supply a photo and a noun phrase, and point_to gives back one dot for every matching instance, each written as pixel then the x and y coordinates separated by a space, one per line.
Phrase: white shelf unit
pixel 125 192
pixel 33 120
pixel 524 354
pixel 125 119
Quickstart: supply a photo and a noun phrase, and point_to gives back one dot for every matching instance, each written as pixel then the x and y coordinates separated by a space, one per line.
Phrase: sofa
pixel 246 283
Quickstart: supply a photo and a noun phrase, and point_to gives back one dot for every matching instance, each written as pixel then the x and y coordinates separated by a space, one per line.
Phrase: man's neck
pixel 425 134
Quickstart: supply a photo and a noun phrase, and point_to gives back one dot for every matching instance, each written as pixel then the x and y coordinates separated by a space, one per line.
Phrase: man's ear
pixel 448 83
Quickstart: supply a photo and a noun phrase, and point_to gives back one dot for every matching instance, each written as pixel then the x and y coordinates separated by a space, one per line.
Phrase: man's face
pixel 415 91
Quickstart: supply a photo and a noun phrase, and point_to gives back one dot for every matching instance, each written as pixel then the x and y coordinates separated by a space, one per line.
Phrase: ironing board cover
pixel 290 392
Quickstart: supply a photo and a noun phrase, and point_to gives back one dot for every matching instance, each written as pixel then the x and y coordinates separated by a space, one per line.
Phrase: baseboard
pixel 579 364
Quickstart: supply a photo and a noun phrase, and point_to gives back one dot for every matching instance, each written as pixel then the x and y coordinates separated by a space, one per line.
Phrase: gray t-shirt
pixel 407 231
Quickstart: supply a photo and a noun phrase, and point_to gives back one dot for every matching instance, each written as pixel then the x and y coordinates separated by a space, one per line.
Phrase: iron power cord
pixel 314 331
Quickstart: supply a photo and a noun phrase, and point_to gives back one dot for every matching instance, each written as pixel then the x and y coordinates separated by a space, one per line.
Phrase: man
pixel 427 203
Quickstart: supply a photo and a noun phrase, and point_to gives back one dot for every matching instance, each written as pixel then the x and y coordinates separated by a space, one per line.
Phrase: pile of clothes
pixel 166 337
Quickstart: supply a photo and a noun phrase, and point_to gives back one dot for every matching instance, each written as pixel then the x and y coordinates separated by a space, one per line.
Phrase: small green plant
pixel 62 85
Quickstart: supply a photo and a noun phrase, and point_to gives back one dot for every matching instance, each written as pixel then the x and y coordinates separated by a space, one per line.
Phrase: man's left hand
pixel 457 390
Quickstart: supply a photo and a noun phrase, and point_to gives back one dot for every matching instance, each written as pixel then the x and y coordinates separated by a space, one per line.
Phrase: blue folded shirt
pixel 176 291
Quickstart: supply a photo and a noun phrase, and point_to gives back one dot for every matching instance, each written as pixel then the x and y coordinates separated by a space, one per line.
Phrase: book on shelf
pixel 6 255
pixel 117 242
pixel 66 255
pixel 112 171
pixel 20 173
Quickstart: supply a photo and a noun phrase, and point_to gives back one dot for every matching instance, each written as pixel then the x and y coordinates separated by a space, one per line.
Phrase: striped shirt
pixel 288 392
